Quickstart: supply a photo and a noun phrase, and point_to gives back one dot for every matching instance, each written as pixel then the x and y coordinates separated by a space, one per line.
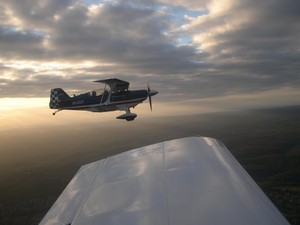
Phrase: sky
pixel 204 55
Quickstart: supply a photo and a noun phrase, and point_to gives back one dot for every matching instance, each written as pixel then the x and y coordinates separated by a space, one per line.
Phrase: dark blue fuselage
pixel 105 102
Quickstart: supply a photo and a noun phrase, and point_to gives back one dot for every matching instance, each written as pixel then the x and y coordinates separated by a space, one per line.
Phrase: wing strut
pixel 103 94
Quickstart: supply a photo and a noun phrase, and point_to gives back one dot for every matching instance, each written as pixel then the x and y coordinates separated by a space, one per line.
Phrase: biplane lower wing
pixel 187 181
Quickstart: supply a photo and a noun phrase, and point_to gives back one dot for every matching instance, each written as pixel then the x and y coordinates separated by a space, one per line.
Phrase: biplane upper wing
pixel 188 181
pixel 115 84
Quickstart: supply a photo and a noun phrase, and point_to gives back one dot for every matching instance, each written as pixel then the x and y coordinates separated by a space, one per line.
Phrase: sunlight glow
pixel 17 103
pixel 95 9
pixel 52 65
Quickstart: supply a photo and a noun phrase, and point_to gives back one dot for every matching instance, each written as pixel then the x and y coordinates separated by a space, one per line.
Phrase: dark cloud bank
pixel 243 48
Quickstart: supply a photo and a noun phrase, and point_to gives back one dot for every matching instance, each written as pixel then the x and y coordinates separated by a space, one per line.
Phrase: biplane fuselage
pixel 117 98
pixel 99 103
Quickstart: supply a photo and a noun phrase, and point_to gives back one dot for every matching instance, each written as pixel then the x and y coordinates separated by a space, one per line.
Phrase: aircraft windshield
pixel 96 92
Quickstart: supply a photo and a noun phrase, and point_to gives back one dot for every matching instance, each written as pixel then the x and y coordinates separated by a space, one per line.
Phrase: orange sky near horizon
pixel 18 113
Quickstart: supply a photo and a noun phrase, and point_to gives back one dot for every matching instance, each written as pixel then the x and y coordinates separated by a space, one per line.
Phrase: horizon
pixel 22 116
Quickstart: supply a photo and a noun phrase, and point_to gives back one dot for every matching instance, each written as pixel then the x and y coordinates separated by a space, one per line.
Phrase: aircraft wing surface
pixel 115 84
pixel 188 181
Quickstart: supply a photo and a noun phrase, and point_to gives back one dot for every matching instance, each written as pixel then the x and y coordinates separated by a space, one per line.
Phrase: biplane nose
pixel 152 92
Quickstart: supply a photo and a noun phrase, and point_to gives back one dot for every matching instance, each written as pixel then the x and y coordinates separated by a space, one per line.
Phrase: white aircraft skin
pixel 190 181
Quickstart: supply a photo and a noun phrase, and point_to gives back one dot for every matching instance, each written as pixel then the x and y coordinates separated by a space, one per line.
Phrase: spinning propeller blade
pixel 151 93
pixel 150 99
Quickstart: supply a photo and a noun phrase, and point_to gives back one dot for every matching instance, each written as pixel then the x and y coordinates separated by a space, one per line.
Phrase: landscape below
pixel 36 165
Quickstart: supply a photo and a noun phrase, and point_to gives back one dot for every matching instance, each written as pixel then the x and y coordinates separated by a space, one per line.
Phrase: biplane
pixel 114 96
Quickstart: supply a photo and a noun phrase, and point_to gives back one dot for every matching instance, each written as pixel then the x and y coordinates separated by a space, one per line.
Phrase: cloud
pixel 188 4
pixel 117 33
pixel 248 29
pixel 256 41
pixel 185 48
pixel 17 43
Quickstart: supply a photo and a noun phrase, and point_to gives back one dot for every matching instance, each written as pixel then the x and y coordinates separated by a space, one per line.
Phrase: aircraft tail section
pixel 57 96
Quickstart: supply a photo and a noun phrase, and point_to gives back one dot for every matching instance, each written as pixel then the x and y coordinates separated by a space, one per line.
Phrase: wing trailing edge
pixel 188 181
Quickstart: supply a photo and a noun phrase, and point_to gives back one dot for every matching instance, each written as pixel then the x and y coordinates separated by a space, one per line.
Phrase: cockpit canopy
pixel 97 92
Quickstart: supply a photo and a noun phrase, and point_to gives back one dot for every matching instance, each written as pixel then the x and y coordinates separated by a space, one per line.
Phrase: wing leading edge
pixel 189 181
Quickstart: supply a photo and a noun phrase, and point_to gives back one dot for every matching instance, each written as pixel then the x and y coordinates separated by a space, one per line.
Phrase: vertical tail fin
pixel 57 96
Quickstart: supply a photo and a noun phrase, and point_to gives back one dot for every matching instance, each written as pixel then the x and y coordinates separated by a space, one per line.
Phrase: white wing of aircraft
pixel 189 181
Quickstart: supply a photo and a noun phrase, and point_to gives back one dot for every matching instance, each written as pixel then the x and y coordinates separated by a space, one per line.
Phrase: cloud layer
pixel 185 49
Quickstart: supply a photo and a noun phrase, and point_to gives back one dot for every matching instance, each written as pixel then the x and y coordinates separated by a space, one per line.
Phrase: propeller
pixel 151 93
pixel 150 99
